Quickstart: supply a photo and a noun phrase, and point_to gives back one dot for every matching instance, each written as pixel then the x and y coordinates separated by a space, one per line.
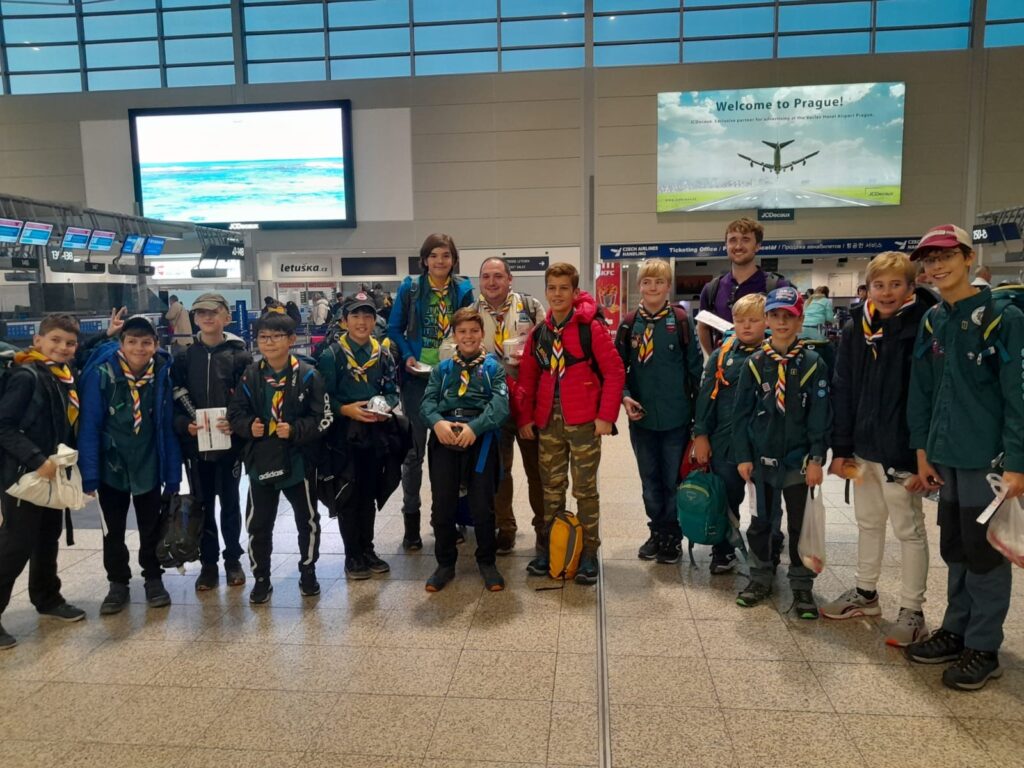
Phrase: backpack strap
pixel 713 287
pixel 720 380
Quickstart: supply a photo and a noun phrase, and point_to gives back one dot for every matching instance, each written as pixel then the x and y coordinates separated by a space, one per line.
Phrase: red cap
pixel 942 236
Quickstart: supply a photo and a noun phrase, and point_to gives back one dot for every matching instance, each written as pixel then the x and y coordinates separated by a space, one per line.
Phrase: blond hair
pixel 892 261
pixel 654 268
pixel 746 226
pixel 751 304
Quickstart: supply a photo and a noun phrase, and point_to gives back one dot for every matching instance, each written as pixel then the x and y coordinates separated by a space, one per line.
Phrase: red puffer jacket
pixel 582 395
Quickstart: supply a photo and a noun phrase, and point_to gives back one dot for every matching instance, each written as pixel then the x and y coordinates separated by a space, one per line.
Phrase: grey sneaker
pixel 65 612
pixel 851 604
pixel 909 628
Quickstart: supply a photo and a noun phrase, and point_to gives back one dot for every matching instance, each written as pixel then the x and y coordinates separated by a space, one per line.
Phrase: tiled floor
pixel 381 674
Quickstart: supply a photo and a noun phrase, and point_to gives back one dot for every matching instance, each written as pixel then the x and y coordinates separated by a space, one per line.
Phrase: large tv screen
pixel 276 165
pixel 814 146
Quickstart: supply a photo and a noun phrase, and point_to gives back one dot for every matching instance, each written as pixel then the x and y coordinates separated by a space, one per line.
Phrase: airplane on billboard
pixel 778 167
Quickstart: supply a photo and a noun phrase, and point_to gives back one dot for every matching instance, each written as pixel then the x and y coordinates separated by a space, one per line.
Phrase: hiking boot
pixel 7 641
pixel 65 612
pixel 308 585
pixel 850 604
pixel 804 604
pixel 588 571
pixel 505 542
pixel 157 595
pixel 374 563
pixel 539 566
pixel 261 591
pixel 649 549
pixel 670 550
pixel 356 569
pixel 722 562
pixel 752 594
pixel 939 647
pixel 115 601
pixel 972 670
pixel 493 581
pixel 909 628
pixel 235 574
pixel 439 579
pixel 209 577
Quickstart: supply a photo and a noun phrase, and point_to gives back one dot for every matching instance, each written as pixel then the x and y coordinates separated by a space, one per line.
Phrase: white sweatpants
pixel 875 500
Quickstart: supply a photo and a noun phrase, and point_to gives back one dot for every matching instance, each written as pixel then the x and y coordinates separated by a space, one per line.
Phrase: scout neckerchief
pixel 443 320
pixel 723 351
pixel 61 372
pixel 136 383
pixel 467 367
pixel 557 365
pixel 783 361
pixel 646 349
pixel 873 334
pixel 359 371
pixel 498 316
pixel 278 385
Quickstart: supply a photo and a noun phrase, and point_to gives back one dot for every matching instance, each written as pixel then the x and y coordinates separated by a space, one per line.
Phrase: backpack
pixel 682 323
pixel 565 545
pixel 1002 297
pixel 586 343
pixel 180 531
pixel 703 511
pixel 772 280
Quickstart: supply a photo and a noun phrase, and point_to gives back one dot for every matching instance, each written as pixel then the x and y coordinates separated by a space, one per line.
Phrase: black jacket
pixel 870 395
pixel 210 376
pixel 33 420
pixel 306 408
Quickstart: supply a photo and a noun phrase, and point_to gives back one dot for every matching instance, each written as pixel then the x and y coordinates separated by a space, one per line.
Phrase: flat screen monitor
pixel 275 165
pixel 9 230
pixel 133 244
pixel 35 233
pixel 154 246
pixel 76 239
pixel 101 240
pixel 806 146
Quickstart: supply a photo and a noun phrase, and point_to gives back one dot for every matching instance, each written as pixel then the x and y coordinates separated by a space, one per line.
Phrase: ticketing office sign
pixel 715 249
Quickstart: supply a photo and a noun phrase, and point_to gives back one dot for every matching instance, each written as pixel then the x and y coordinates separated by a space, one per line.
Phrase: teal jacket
pixel 342 387
pixel 487 393
pixel 714 416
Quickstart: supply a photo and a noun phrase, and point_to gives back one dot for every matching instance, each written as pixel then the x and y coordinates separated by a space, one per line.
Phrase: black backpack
pixel 180 531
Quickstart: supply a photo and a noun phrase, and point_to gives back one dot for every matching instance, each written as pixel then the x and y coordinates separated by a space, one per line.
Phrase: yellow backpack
pixel 565 544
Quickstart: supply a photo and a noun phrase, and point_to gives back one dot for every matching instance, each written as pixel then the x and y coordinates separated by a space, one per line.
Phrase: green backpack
pixel 704 511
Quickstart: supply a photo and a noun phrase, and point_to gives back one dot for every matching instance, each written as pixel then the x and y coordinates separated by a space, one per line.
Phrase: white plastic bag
pixel 1006 529
pixel 63 492
pixel 812 534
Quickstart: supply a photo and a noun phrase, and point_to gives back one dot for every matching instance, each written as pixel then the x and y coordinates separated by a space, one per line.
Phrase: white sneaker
pixel 908 628
pixel 851 604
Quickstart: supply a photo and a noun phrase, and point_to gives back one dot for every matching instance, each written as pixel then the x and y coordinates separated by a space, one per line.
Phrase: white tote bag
pixel 63 492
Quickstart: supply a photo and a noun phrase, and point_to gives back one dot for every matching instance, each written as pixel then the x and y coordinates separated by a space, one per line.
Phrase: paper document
pixel 716 322
pixel 211 438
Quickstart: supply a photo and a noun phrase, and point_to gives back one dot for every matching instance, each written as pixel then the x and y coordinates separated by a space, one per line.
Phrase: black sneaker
pixel 208 578
pixel 356 569
pixel 157 595
pixel 235 574
pixel 588 572
pixel 649 549
pixel 671 550
pixel 493 581
pixel 753 594
pixel 938 648
pixel 460 534
pixel 539 566
pixel 308 585
pixel 722 563
pixel 374 563
pixel 440 578
pixel 65 612
pixel 412 543
pixel 804 605
pixel 115 601
pixel 7 641
pixel 261 591
pixel 972 670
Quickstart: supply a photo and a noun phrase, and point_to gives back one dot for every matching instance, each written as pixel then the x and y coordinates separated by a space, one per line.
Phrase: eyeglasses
pixel 271 338
pixel 940 257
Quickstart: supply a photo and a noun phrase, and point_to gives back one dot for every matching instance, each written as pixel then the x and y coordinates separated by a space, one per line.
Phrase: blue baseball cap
pixel 787 298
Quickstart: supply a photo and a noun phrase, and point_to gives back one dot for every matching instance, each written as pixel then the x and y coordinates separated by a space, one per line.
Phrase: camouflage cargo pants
pixel 575 448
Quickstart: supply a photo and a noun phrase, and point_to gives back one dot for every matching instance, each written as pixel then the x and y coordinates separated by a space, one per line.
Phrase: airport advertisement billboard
pixel 814 146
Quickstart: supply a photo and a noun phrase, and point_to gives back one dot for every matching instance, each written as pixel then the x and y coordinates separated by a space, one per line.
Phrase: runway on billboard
pixel 771 197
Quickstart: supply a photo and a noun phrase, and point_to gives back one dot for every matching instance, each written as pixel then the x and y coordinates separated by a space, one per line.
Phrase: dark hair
pixel 502 261
pixel 172 298
pixel 561 269
pixel 862 287
pixel 438 240
pixel 268 300
pixel 58 321
pixel 275 321
pixel 467 315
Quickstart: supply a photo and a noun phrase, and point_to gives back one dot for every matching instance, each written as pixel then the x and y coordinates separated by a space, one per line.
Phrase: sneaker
pixel 753 594
pixel 722 562
pixel 115 601
pixel 649 549
pixel 65 612
pixel 588 572
pixel 851 604
pixel 493 580
pixel 804 604
pixel 939 647
pixel 235 574
pixel 374 563
pixel 909 628
pixel 356 569
pixel 460 534
pixel 505 542
pixel 440 578
pixel 539 566
pixel 412 543
pixel 261 591
pixel 972 670
pixel 7 641
pixel 308 585
pixel 208 578
pixel 670 550
pixel 157 595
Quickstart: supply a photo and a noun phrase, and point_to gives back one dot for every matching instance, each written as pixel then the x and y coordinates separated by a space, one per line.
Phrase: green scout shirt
pixel 715 417
pixel 130 461
pixel 966 400
pixel 787 439
pixel 430 354
pixel 665 385
pixel 343 388
pixel 298 472
pixel 489 397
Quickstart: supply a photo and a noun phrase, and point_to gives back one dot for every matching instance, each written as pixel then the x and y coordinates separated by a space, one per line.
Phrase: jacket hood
pixel 584 310
pixel 230 342
pixel 925 297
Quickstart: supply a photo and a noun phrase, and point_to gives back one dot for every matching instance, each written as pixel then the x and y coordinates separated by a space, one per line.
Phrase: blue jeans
pixel 658 456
